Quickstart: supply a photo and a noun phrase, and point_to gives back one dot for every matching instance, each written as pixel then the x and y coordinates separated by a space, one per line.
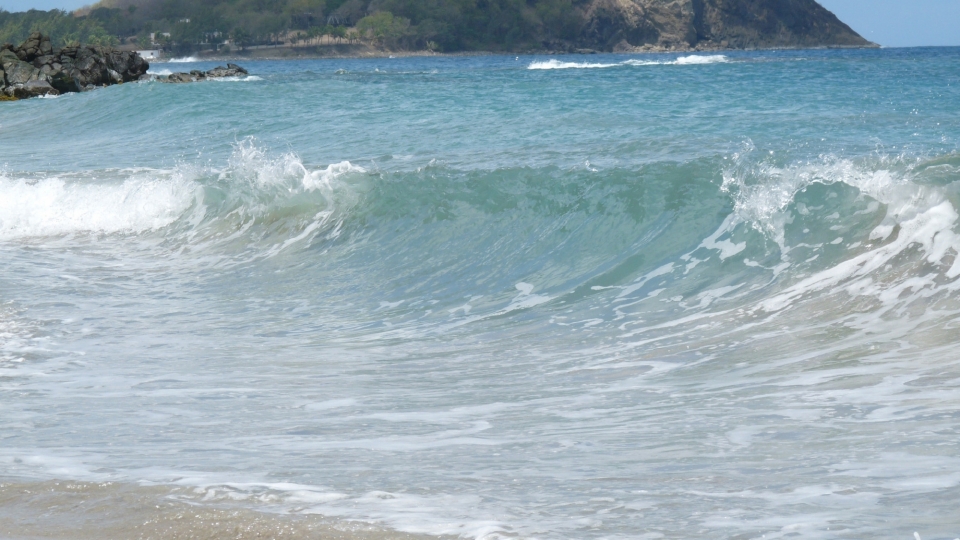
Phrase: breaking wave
pixel 681 61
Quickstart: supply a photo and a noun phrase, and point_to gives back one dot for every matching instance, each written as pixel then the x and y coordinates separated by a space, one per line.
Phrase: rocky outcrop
pixel 630 25
pixel 232 70
pixel 36 68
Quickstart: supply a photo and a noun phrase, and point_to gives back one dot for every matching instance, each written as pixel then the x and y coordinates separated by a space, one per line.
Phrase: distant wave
pixel 691 60
pixel 250 78
pixel 699 59
pixel 556 64
pixel 184 60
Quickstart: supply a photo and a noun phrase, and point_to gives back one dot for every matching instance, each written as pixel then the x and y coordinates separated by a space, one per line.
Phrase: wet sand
pixel 108 511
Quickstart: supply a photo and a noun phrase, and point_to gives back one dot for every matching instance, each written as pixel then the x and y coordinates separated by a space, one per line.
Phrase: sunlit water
pixel 563 298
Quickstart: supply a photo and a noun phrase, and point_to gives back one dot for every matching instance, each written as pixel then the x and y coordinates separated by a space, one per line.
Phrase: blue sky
pixel 891 23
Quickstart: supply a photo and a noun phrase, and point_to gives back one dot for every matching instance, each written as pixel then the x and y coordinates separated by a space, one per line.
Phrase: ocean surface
pixel 573 298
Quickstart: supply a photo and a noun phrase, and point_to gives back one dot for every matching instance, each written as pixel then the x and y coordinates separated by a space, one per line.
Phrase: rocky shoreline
pixel 37 69
pixel 231 70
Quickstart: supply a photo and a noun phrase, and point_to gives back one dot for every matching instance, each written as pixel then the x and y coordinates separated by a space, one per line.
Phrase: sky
pixel 891 23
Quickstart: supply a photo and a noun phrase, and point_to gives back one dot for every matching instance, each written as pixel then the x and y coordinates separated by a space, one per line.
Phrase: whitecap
pixel 692 60
pixel 249 78
pixel 556 64
pixel 700 60
pixel 58 205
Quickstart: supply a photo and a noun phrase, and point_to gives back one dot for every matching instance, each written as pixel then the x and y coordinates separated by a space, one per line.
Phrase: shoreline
pixel 86 510
pixel 342 52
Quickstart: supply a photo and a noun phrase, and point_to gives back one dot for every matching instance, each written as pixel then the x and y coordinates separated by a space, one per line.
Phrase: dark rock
pixel 64 82
pixel 7 56
pixel 71 69
pixel 232 70
pixel 30 48
pixel 20 73
pixel 180 78
pixel 46 48
pixel 32 89
pixel 43 60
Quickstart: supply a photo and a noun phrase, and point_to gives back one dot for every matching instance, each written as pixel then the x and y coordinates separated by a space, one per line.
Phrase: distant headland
pixel 289 28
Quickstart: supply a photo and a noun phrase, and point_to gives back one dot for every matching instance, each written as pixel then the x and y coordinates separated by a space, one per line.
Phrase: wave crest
pixel 59 205
pixel 692 60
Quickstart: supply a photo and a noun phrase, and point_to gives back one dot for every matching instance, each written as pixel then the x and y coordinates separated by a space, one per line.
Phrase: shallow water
pixel 607 297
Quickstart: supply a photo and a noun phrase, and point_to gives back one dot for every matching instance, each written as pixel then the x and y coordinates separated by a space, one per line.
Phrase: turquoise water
pixel 565 298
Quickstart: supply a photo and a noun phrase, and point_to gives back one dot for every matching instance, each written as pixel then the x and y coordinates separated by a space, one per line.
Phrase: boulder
pixel 46 47
pixel 20 72
pixel 30 48
pixel 64 82
pixel 179 78
pixel 7 57
pixel 41 61
pixel 232 70
pixel 31 89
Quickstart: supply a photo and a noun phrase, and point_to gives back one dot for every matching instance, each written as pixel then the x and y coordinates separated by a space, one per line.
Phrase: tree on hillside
pixel 384 28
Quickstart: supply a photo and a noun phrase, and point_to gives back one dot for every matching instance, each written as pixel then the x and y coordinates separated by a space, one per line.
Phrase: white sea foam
pixel 55 205
pixel 700 60
pixel 183 60
pixel 251 162
pixel 159 72
pixel 693 60
pixel 557 64
pixel 14 336
pixel 248 78
pixel 681 61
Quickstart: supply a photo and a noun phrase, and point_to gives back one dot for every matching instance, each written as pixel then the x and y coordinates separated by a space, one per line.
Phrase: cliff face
pixel 624 25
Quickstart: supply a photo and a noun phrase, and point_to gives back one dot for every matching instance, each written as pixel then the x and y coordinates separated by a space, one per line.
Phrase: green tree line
pixel 64 28
pixel 447 25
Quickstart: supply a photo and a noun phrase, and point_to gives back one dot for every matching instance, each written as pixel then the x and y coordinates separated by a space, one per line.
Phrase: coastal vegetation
pixel 184 26
pixel 66 28
pixel 449 25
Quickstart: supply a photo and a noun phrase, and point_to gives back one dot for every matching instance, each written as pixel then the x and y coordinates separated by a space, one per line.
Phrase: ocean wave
pixel 681 61
pixel 748 232
pixel 199 204
pixel 557 64
pixel 700 60
pixel 183 60
pixel 65 204
pixel 248 78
